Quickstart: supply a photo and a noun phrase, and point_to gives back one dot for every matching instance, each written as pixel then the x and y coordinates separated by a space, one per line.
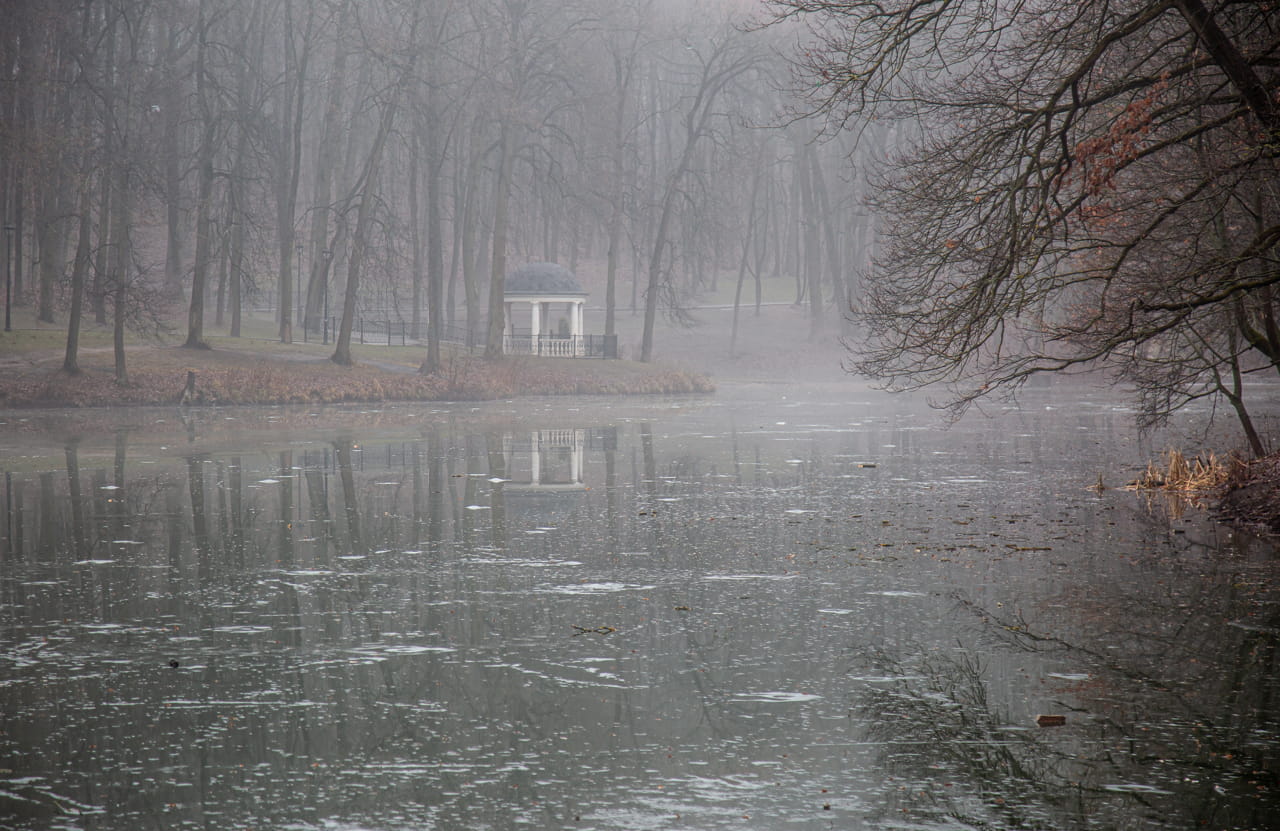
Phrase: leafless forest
pixel 400 157
pixel 980 192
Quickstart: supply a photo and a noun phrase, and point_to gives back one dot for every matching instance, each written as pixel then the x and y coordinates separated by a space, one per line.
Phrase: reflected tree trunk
pixel 350 498
pixel 437 482
pixel 47 527
pixel 235 498
pixel 285 540
pixel 321 520
pixel 14 526
pixel 76 497
pixel 199 517
pixel 497 494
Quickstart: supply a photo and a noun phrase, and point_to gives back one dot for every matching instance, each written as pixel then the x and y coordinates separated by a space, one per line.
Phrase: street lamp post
pixel 8 276
pixel 328 256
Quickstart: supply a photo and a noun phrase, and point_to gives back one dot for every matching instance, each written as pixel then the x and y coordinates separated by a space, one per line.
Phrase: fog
pixel 313 161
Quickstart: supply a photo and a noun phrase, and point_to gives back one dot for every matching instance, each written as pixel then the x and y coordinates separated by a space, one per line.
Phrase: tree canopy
pixel 1081 184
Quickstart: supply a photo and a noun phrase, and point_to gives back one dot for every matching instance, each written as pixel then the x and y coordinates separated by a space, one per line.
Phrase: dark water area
pixel 766 609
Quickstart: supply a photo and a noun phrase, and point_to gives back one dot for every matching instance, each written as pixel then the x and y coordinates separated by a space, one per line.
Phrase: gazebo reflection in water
pixel 545 460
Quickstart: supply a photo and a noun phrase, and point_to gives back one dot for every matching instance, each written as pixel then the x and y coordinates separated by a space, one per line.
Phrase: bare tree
pixel 720 61
pixel 366 189
pixel 1075 192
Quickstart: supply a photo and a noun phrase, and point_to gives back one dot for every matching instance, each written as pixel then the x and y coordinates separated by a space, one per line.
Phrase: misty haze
pixel 639 414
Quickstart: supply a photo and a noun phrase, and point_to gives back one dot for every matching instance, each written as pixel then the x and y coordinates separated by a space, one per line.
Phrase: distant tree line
pixel 206 155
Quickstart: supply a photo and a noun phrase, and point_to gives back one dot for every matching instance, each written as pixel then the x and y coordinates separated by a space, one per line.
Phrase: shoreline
pixel 227 377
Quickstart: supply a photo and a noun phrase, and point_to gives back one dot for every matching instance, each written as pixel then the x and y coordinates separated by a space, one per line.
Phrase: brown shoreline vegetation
pixel 227 377
pixel 1246 493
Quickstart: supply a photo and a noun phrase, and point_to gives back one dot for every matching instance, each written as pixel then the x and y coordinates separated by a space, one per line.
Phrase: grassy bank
pixel 260 371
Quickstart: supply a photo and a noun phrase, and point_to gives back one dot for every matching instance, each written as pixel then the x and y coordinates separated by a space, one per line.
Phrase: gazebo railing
pixel 556 346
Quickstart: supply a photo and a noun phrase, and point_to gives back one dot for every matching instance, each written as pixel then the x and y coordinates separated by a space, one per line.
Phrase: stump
pixel 189 392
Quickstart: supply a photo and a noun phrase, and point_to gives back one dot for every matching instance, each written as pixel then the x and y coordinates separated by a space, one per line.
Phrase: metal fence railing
pixel 396 333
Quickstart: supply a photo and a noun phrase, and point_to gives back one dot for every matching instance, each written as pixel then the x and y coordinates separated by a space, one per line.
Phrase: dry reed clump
pixel 1199 475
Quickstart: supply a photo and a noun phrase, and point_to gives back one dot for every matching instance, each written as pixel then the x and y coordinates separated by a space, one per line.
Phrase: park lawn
pixel 260 371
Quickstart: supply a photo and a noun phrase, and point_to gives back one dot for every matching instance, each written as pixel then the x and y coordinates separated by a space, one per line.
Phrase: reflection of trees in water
pixel 1169 682
pixel 950 751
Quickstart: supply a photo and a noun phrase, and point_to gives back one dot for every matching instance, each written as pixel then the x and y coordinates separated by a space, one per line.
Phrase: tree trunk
pixel 748 237
pixel 470 267
pixel 289 165
pixel 1233 64
pixel 435 233
pixel 204 198
pixel 102 259
pixel 236 265
pixel 415 237
pixel 342 343
pixel 828 222
pixel 49 242
pixel 122 263
pixel 174 155
pixel 326 161
pixel 812 248
pixel 498 276
pixel 79 271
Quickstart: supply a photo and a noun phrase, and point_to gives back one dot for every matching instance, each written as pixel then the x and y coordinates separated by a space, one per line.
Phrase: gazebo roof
pixel 542 278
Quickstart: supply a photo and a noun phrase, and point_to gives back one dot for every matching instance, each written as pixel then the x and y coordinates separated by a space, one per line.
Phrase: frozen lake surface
pixel 766 609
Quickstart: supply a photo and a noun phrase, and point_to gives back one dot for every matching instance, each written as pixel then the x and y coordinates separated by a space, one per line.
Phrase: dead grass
pixel 1202 474
pixel 265 373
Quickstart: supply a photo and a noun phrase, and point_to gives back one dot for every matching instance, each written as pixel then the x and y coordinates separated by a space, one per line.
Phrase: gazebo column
pixel 535 326
pixel 575 326
pixel 575 459
pixel 535 458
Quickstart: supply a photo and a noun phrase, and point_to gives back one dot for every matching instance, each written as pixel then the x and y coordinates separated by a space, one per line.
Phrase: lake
pixel 771 608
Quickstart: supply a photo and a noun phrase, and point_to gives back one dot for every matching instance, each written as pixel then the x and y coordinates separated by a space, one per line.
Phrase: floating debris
pixel 598 630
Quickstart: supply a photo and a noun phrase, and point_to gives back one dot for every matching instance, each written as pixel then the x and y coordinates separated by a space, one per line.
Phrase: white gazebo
pixel 555 302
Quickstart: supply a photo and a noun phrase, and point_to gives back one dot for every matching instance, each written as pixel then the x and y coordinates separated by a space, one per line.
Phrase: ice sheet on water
pixel 749 577
pixel 777 697
pixel 401 649
pixel 596 588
